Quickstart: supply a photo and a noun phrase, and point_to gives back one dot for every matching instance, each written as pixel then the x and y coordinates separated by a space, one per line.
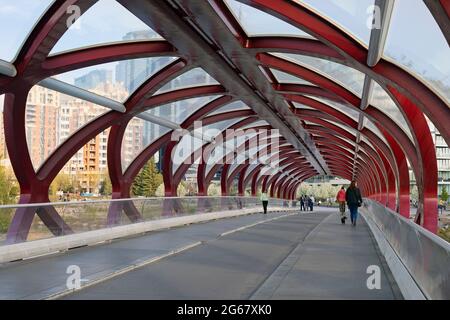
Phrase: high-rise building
pixel 443 160
pixel 89 164
pixel 132 143
pixel 41 123
pixel 93 79
pixel 134 71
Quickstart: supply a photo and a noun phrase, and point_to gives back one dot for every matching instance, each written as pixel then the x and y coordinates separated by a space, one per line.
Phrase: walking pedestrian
pixel 311 202
pixel 265 201
pixel 302 203
pixel 340 198
pixel 354 201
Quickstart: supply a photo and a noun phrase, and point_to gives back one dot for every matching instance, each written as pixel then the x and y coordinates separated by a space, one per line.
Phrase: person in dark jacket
pixel 302 203
pixel 354 200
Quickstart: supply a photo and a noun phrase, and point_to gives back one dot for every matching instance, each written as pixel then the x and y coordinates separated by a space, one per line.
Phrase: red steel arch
pixel 381 167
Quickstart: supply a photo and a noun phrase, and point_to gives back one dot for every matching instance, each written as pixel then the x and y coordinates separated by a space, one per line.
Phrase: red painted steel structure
pixel 381 167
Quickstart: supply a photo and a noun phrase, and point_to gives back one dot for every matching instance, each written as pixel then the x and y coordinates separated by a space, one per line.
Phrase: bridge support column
pixel 33 189
pixel 427 214
pixel 224 180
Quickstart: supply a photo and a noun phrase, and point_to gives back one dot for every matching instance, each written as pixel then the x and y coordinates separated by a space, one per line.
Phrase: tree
pixel 63 182
pixel 147 181
pixel 9 188
pixel 323 192
pixel 160 190
pixel 444 194
pixel 105 186
pixel 214 190
pixel 182 189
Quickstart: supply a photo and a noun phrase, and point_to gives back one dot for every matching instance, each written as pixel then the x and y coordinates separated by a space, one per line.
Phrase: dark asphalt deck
pixel 41 277
pixel 305 256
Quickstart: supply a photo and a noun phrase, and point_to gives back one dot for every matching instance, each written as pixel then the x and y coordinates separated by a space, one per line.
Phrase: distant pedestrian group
pixel 307 203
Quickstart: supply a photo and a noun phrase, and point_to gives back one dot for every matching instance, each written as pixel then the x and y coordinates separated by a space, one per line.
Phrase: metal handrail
pixel 425 255
pixel 43 204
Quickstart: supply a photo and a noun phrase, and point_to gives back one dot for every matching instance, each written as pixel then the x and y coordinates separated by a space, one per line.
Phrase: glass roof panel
pixel 250 170
pixel 283 77
pixel 260 149
pixel 105 22
pixel 233 167
pixel 52 117
pixel 347 128
pixel 347 77
pixel 309 122
pixel 383 102
pixel 363 138
pixel 180 110
pixel 183 152
pixel 258 23
pixel 233 106
pixel 345 148
pixel 191 78
pixel 372 127
pixel 258 123
pixel 17 19
pixel 302 106
pixel 216 156
pixel 188 144
pixel 215 129
pixel 115 80
pixel 222 149
pixel 138 136
pixel 350 15
pixel 350 112
pixel 268 171
pixel 419 47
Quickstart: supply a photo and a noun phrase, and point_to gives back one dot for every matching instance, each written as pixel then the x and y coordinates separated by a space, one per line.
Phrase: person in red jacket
pixel 340 198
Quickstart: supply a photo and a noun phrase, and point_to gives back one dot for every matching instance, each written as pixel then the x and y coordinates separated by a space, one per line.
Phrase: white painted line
pixel 122 271
pixel 254 224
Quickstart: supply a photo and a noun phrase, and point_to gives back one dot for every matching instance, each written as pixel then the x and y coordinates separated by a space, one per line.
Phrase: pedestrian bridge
pixel 225 248
pixel 250 95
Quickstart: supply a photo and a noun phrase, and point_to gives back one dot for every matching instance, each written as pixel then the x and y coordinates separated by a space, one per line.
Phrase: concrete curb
pixel 27 250
pixel 405 282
